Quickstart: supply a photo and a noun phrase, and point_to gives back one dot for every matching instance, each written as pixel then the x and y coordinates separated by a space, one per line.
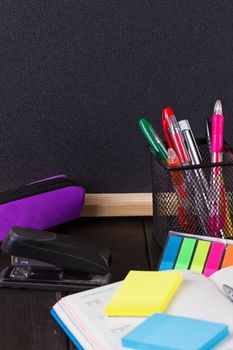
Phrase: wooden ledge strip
pixel 117 204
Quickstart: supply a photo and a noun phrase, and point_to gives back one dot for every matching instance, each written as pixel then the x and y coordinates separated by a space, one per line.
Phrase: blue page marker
pixel 170 253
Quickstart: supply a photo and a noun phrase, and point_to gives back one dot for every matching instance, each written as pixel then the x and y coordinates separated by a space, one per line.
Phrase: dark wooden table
pixel 25 320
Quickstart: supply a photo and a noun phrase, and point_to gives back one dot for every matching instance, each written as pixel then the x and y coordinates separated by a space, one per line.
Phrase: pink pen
pixel 217 133
pixel 217 200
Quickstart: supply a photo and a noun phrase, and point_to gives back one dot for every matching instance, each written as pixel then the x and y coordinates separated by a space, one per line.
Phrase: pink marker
pixel 217 133
pixel 217 204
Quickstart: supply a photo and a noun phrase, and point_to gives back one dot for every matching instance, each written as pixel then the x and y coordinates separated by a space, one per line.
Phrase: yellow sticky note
pixel 143 293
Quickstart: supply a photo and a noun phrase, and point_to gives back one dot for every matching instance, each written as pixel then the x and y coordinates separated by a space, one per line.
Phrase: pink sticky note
pixel 214 258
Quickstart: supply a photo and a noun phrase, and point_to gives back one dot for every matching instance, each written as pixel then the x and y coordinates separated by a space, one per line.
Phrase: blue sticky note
pixel 162 331
pixel 170 253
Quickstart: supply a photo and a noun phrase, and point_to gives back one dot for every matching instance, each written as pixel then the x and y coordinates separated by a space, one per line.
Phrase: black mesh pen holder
pixel 196 199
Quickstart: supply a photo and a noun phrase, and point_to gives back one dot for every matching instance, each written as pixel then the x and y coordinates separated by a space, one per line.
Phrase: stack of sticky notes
pixel 143 293
pixel 162 331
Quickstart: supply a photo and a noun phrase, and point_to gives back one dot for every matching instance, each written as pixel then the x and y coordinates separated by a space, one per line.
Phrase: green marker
pixel 153 138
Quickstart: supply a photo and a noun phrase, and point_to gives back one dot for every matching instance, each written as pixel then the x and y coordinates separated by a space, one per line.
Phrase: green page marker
pixel 200 256
pixel 153 139
pixel 185 254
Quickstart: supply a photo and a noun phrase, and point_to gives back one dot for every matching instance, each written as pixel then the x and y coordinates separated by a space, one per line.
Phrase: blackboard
pixel 75 76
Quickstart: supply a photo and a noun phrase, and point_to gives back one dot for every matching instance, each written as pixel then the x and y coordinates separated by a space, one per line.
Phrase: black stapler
pixel 51 261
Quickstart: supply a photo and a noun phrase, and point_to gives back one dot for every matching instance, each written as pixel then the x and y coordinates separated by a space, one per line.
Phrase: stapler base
pixel 50 279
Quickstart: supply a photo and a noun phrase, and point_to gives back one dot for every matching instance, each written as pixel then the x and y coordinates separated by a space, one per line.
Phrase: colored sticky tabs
pixel 162 331
pixel 144 292
pixel 228 257
pixel 214 258
pixel 170 253
pixel 185 254
pixel 200 256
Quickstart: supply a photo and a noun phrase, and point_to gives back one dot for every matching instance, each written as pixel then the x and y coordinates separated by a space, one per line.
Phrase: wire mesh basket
pixel 195 199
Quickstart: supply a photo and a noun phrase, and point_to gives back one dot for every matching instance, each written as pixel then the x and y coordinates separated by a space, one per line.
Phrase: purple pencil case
pixel 41 205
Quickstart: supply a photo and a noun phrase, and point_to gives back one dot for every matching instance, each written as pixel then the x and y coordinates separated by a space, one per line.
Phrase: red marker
pixel 174 135
pixel 185 218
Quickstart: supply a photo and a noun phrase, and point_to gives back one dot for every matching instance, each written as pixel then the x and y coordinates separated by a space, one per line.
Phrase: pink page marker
pixel 214 258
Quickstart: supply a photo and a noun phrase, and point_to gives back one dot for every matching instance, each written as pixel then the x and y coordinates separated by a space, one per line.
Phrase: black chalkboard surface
pixel 75 76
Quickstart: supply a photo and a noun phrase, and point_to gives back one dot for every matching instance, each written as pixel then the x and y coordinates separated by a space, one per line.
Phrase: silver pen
pixel 228 291
pixel 190 142
pixel 201 187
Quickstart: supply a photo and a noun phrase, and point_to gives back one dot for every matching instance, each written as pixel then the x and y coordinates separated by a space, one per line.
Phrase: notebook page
pixel 86 312
pixel 199 298
pixel 223 276
pixel 80 337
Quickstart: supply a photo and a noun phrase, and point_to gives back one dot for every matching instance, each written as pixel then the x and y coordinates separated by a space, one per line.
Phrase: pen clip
pixel 165 127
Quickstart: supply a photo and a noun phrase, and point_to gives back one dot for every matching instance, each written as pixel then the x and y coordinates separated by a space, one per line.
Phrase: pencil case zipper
pixel 34 189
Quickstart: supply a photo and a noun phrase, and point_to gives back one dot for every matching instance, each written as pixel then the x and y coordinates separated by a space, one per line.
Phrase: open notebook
pixel 81 315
